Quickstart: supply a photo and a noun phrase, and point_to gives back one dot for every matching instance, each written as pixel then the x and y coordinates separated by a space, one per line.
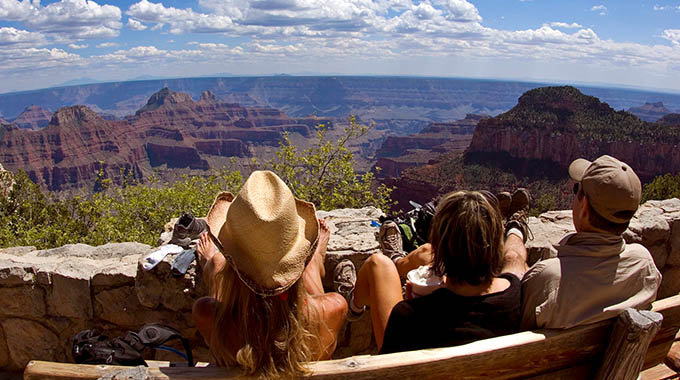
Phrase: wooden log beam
pixel 625 353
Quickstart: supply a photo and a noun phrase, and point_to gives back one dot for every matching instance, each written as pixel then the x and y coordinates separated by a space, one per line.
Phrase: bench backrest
pixel 578 352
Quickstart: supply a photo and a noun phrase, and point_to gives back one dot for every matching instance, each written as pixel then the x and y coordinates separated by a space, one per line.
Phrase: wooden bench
pixel 612 349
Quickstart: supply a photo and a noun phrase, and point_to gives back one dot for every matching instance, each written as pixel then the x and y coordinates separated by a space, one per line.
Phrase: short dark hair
pixel 598 221
pixel 467 238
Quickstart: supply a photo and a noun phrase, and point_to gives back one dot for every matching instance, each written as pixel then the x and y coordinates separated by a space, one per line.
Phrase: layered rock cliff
pixel 171 131
pixel 552 126
pixel 33 117
pixel 72 148
pixel 400 152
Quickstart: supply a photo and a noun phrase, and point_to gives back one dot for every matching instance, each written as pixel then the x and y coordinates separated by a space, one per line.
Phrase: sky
pixel 619 42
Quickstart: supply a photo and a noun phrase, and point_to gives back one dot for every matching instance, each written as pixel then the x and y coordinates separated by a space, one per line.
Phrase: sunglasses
pixel 577 185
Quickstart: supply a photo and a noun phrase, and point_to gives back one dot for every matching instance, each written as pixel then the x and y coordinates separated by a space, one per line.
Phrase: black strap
pixel 154 335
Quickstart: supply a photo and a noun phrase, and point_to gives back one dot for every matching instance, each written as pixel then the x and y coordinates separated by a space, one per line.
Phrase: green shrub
pixel 134 212
pixel 323 174
pixel 662 187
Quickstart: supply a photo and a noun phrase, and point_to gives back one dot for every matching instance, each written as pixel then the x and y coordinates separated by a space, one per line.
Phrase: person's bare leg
pixel 515 256
pixel 203 313
pixel 378 286
pixel 419 256
pixel 315 270
pixel 210 259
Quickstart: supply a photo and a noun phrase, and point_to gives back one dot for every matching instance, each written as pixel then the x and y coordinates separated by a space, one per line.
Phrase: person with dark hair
pixel 593 274
pixel 480 267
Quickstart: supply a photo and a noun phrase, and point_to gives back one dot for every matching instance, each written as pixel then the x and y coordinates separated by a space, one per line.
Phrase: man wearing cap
pixel 594 275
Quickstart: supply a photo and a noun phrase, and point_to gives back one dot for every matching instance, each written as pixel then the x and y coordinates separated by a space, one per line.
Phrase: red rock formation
pixel 400 152
pixel 171 130
pixel 33 117
pixel 72 148
pixel 550 127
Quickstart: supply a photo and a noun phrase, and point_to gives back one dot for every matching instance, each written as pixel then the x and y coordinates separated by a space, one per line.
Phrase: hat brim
pixel 578 168
pixel 305 246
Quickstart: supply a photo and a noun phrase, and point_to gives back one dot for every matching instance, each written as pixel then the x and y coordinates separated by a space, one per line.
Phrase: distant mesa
pixel 33 118
pixel 650 111
pixel 164 97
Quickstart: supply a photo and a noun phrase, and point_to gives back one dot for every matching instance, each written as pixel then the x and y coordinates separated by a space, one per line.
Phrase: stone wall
pixel 46 296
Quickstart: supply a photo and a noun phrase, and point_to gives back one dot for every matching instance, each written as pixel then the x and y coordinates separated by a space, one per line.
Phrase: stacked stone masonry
pixel 46 296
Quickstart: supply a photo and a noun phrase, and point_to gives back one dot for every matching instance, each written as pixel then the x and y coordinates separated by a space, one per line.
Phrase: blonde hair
pixel 264 336
pixel 467 238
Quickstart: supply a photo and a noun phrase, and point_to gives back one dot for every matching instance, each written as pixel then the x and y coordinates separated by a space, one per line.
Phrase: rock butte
pixel 46 296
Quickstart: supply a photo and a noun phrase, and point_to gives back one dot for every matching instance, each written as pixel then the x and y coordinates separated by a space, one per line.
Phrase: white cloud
pixel 299 32
pixel 23 38
pixel 135 25
pixel 180 20
pixel 672 35
pixel 599 8
pixel 76 46
pixel 565 25
pixel 65 20
pixel 658 7
pixel 33 60
pixel 461 10
pixel 11 10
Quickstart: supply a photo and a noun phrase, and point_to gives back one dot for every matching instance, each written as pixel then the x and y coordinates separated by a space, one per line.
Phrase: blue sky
pixel 624 43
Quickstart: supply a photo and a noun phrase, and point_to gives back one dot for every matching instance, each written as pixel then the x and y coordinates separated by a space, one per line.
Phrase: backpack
pixel 91 347
pixel 414 225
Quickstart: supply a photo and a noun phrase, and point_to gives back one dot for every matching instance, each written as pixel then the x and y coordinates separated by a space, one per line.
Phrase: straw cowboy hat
pixel 265 233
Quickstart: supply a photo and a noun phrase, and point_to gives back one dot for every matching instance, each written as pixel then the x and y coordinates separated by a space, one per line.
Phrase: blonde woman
pixel 267 312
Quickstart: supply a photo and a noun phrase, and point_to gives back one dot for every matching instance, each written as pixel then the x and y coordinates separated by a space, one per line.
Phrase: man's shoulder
pixel 544 269
pixel 637 250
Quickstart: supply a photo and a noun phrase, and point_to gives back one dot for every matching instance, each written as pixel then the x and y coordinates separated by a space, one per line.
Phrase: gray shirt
pixel 593 277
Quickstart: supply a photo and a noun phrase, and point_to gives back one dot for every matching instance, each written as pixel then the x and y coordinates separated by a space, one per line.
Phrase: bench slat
pixel 670 309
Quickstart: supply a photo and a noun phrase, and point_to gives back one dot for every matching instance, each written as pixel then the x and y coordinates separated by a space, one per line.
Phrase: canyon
pixel 533 144
pixel 170 132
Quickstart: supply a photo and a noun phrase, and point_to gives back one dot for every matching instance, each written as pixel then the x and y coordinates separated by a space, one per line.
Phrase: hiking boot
pixel 504 202
pixel 520 200
pixel 344 278
pixel 187 229
pixel 389 239
pixel 519 220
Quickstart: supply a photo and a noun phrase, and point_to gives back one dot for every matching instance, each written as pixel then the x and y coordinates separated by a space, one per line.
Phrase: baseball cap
pixel 612 187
